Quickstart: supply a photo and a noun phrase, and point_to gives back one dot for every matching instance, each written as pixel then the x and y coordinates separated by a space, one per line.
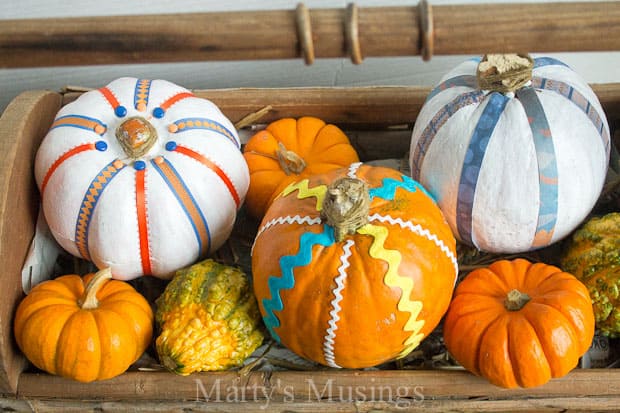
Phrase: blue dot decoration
pixel 101 146
pixel 159 112
pixel 120 111
pixel 171 145
pixel 139 165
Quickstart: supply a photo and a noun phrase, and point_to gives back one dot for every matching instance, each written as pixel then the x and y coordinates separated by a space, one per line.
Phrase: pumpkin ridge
pixel 62 341
pixel 69 292
pixel 329 149
pixel 271 170
pixel 22 328
pixel 480 338
pixel 101 324
pixel 500 285
pixel 550 300
pixel 512 355
pixel 324 166
pixel 43 301
pixel 493 303
pixel 544 272
pixel 527 316
pixel 555 285
pixel 110 305
pixel 541 333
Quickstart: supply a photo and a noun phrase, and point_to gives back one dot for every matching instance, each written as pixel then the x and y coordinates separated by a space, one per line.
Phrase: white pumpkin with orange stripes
pixel 141 176
pixel 514 149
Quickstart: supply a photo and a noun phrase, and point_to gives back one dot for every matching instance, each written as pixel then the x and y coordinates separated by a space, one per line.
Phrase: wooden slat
pixel 546 405
pixel 313 386
pixel 272 34
pixel 371 107
pixel 22 126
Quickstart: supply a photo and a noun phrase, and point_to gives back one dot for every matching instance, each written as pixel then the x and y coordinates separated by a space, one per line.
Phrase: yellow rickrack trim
pixel 393 279
pixel 306 192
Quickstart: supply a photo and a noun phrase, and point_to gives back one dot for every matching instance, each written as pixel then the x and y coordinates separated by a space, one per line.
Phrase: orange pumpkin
pixel 87 329
pixel 519 324
pixel 289 150
pixel 353 268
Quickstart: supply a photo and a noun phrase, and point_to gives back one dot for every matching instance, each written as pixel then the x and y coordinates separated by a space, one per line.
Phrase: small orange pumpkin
pixel 86 329
pixel 519 324
pixel 289 150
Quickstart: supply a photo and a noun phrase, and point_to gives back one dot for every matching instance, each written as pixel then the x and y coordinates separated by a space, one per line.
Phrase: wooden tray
pixel 379 122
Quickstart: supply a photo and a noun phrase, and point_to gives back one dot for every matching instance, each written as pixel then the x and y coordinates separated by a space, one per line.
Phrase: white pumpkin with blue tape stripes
pixel 513 169
pixel 141 176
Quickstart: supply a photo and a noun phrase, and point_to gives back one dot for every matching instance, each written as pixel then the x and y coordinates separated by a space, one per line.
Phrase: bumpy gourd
pixel 354 267
pixel 208 319
pixel 604 288
pixel 288 150
pixel 514 149
pixel 594 246
pixel 141 176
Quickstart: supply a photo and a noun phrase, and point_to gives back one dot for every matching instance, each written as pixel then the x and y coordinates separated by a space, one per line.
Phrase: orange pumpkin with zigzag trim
pixel 353 268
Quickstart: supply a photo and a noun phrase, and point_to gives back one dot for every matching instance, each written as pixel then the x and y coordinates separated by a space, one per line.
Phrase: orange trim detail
pixel 190 207
pixel 64 157
pixel 209 164
pixel 107 93
pixel 174 99
pixel 141 209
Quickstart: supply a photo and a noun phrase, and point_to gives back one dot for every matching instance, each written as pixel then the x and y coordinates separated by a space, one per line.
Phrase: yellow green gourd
pixel 604 288
pixel 594 246
pixel 209 319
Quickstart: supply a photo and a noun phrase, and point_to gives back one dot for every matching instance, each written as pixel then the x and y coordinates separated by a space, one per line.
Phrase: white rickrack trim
pixel 328 344
pixel 353 169
pixel 286 220
pixel 418 229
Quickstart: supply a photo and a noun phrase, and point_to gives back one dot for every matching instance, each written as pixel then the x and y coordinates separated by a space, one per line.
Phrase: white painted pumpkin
pixel 162 194
pixel 512 171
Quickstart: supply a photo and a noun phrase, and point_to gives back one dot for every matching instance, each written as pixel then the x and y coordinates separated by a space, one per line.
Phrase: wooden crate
pixel 379 122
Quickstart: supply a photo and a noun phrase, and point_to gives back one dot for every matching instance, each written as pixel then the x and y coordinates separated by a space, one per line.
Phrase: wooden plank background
pixel 595 67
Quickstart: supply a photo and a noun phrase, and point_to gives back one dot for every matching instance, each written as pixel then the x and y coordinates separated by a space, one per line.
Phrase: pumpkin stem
pixel 516 300
pixel 136 136
pixel 89 298
pixel 346 206
pixel 290 162
pixel 504 72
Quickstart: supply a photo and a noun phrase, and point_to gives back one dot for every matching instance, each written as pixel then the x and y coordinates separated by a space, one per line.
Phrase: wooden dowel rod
pixel 273 34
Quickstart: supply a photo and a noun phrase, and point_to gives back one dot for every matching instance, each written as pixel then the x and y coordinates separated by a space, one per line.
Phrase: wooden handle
pixel 273 34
